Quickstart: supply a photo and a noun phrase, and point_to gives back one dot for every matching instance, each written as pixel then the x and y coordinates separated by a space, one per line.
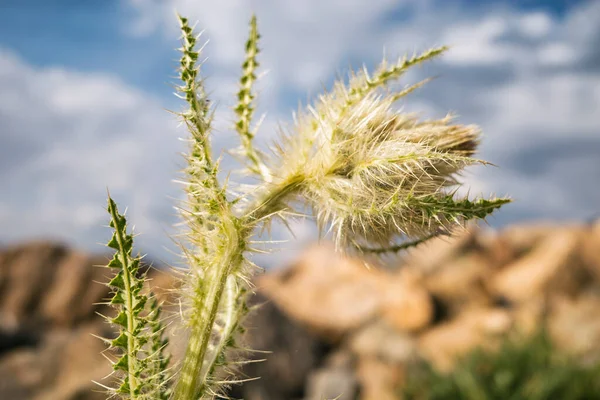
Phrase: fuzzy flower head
pixel 376 176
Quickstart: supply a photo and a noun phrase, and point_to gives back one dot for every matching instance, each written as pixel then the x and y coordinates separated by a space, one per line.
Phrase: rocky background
pixel 334 327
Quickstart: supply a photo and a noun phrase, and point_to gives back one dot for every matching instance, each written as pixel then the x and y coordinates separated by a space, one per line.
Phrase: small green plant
pixel 142 363
pixel 377 179
pixel 523 368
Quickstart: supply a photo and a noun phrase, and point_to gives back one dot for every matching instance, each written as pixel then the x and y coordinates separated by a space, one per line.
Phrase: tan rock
pixel 524 237
pixel 72 277
pixel 406 305
pixel 442 344
pixel 528 317
pixel 460 283
pixel 575 324
pixel 28 273
pixel 21 372
pixel 379 340
pixel 378 379
pixel 61 367
pixel 549 267
pixel 334 294
pixel 78 362
pixel 495 248
pixel 329 293
pixel 47 317
pixel 436 252
pixel 590 249
pixel 332 383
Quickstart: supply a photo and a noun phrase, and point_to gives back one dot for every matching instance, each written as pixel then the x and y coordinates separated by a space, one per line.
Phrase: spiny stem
pixel 245 109
pixel 188 386
pixel 399 247
pixel 142 367
pixel 210 289
pixel 131 317
pixel 207 302
pixel 197 118
pixel 384 74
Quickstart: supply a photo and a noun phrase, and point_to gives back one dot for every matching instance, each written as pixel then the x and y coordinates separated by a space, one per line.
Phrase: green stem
pixel 192 380
pixel 271 202
pixel 133 383
pixel 188 386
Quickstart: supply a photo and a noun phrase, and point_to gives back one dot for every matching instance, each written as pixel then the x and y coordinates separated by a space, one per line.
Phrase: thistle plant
pixel 142 363
pixel 378 180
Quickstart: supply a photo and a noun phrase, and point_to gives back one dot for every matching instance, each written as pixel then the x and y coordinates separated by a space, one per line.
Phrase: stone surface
pixel 590 249
pixel 378 379
pixel 332 383
pixel 574 324
pixel 290 352
pixel 330 325
pixel 48 305
pixel 380 340
pixel 329 293
pixel 443 343
pixel 461 283
pixel 549 266
pixel 405 303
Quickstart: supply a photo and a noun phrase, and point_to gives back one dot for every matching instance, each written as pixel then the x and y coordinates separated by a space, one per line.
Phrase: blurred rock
pixel 575 324
pixel 406 304
pixel 335 378
pixel 549 267
pixel 49 297
pixel 290 352
pixel 461 283
pixel 379 340
pixel 378 379
pixel 523 237
pixel 333 294
pixel 590 249
pixel 330 326
pixel 329 293
pixel 443 343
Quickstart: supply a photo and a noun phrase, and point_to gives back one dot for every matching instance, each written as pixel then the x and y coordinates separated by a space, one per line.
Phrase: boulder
pixel 380 340
pixel 405 303
pixel 460 283
pixel 574 324
pixel 290 353
pixel 521 238
pixel 335 378
pixel 550 266
pixel 328 293
pixel 333 294
pixel 378 379
pixel 590 249
pixel 327 326
pixel 443 343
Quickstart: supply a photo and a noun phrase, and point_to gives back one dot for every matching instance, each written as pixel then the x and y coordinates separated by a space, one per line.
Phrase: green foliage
pixel 141 369
pixel 529 368
pixel 378 179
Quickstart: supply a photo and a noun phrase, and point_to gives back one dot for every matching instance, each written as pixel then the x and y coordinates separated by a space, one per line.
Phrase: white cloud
pixel 473 42
pixel 515 75
pixel 557 55
pixel 67 136
pixel 547 107
pixel 535 25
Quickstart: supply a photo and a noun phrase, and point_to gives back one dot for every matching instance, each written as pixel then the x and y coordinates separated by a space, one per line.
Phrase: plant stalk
pixel 133 382
pixel 192 380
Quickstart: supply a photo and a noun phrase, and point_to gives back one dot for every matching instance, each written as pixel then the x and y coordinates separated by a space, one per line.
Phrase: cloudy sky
pixel 84 86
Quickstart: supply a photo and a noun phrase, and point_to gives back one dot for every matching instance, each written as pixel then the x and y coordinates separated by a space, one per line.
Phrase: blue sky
pixel 84 87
